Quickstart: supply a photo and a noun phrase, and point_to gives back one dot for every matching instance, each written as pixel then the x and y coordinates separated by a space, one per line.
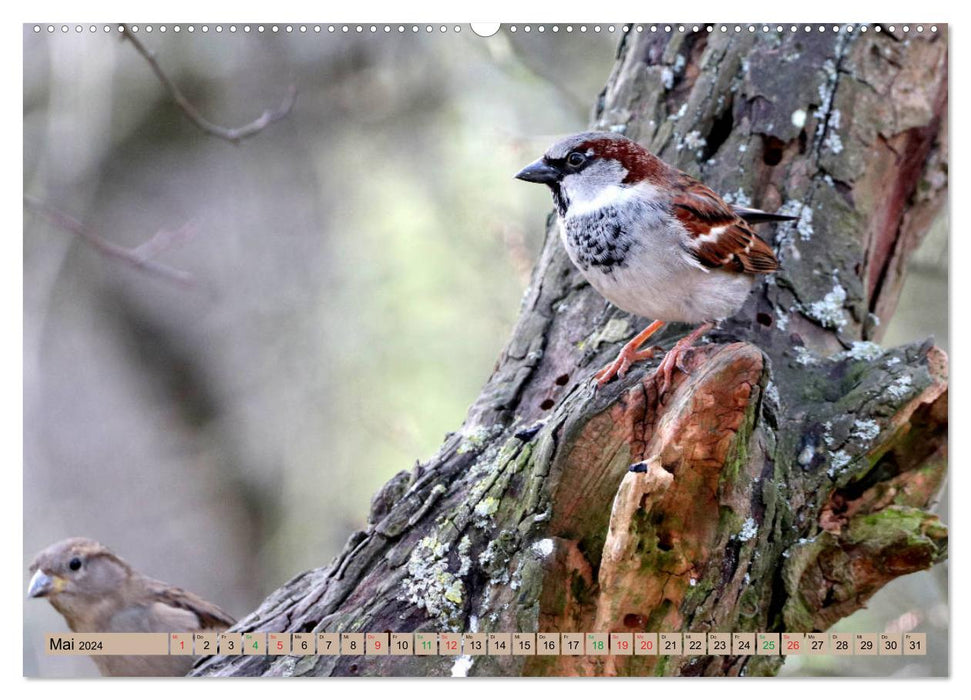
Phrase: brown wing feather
pixel 210 616
pixel 719 237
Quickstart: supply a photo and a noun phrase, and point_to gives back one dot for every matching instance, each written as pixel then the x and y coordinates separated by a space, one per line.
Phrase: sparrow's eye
pixel 576 159
pixel 74 564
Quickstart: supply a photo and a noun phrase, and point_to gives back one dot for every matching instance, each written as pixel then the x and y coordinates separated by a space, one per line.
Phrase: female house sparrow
pixel 651 239
pixel 96 591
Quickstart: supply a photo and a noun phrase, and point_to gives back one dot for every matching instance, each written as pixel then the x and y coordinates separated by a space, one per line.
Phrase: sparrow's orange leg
pixel 675 356
pixel 630 354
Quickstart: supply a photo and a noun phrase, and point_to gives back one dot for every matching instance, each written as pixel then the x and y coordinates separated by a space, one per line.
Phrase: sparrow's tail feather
pixel 757 216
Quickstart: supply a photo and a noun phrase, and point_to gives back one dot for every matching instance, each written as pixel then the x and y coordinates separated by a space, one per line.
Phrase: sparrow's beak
pixel 540 171
pixel 41 584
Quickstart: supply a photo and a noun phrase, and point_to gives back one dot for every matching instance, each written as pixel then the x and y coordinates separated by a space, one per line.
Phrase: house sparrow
pixel 651 239
pixel 96 591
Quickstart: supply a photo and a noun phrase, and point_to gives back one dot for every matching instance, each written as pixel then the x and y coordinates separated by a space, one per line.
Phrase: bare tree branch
pixel 139 257
pixel 231 135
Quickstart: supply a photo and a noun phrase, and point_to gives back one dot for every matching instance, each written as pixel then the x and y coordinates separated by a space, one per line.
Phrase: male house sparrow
pixel 651 239
pixel 96 591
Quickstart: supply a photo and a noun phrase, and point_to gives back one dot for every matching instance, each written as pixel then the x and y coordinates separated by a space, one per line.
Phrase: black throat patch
pixel 560 200
pixel 598 240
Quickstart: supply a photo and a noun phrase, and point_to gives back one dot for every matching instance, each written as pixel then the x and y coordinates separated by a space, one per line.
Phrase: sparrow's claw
pixel 619 367
pixel 679 362
pixel 675 357
pixel 671 361
pixel 612 370
pixel 629 354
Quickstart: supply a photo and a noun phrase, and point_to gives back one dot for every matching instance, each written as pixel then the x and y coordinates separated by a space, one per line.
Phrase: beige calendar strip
pixel 92 644
pixel 492 644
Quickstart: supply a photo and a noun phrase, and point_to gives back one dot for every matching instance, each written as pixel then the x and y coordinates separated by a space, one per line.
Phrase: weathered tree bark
pixel 784 481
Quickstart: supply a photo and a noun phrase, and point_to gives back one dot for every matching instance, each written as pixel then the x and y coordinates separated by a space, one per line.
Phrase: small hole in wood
pixel 771 150
pixel 635 621
pixel 720 130
pixel 764 319
pixel 547 404
pixel 664 542
pixel 562 379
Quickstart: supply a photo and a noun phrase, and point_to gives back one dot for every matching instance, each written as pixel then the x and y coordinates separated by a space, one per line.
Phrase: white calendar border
pixel 619 10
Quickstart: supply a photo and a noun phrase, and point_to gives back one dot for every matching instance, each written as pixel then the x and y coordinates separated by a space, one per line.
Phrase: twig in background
pixel 231 135
pixel 139 257
pixel 163 240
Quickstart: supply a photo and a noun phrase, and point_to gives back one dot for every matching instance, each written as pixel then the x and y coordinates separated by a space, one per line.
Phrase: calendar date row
pixel 493 644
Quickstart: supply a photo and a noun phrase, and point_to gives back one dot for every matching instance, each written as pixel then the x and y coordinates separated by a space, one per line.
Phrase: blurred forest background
pixel 356 270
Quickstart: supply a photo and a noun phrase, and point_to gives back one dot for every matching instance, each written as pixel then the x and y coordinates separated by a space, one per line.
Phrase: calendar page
pixel 525 349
